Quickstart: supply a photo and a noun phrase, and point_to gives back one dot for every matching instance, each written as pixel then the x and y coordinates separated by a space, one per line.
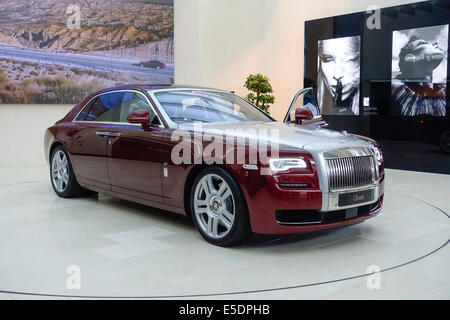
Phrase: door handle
pixel 114 134
pixel 108 134
pixel 102 133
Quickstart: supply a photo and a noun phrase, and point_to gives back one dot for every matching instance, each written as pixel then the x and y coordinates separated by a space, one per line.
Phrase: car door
pixel 136 156
pixel 88 144
pixel 304 98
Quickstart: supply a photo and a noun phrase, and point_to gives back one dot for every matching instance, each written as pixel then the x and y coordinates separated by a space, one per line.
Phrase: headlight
pixel 378 156
pixel 280 165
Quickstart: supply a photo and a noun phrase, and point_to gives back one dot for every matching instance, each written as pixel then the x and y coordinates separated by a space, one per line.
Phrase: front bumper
pixel 266 205
pixel 330 201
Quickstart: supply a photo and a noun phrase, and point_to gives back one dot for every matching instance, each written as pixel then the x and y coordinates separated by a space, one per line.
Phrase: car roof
pixel 153 87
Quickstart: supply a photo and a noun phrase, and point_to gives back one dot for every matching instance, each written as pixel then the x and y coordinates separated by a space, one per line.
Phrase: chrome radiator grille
pixel 350 172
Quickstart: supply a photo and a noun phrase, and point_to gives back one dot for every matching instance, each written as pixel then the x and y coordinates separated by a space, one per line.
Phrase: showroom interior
pixel 122 249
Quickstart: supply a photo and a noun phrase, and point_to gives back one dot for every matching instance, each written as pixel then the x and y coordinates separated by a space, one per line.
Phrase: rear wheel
pixel 62 176
pixel 218 208
pixel 444 142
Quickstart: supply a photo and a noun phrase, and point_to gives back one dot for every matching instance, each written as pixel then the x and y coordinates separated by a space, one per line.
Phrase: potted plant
pixel 261 90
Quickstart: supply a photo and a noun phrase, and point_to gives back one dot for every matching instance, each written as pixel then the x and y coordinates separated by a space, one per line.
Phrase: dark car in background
pixel 154 64
pixel 436 131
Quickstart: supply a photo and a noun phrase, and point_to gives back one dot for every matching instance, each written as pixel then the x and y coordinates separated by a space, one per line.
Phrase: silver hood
pixel 317 141
pixel 313 140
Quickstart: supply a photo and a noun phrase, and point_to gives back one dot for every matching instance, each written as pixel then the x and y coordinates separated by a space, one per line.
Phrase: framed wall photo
pixel 419 71
pixel 338 78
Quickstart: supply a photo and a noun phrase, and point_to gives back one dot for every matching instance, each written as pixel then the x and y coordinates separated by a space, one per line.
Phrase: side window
pixel 104 107
pixel 82 116
pixel 132 101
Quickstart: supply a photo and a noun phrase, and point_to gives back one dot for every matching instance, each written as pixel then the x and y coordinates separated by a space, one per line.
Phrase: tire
pixel 62 177
pixel 444 142
pixel 219 210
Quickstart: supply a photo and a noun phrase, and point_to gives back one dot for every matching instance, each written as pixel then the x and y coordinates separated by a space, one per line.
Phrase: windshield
pixel 208 106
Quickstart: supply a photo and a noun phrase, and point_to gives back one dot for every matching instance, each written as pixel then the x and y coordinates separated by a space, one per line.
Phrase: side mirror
pixel 141 117
pixel 302 114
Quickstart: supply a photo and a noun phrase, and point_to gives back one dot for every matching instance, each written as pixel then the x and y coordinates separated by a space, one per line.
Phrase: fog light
pixel 295 185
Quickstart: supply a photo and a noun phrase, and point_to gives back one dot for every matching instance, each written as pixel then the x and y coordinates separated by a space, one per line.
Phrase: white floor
pixel 124 249
pixel 128 250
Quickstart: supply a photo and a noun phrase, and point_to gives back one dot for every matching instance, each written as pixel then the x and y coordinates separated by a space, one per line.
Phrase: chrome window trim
pixel 109 122
pixel 187 88
pixel 161 125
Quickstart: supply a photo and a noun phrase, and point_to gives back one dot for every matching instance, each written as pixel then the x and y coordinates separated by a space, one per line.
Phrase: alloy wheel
pixel 214 206
pixel 60 171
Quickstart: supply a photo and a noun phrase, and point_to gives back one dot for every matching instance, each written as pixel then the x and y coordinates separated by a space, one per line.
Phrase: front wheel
pixel 218 208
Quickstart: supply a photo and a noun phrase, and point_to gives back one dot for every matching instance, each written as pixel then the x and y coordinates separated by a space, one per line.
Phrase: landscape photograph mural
pixel 58 51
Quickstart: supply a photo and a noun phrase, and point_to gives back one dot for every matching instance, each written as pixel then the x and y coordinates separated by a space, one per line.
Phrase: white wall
pixel 22 129
pixel 218 43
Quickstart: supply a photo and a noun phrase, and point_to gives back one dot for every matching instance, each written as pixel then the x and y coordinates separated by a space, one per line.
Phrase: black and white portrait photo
pixel 419 71
pixel 338 81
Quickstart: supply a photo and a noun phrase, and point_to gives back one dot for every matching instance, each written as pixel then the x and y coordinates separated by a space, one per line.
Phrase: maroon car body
pixel 132 163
